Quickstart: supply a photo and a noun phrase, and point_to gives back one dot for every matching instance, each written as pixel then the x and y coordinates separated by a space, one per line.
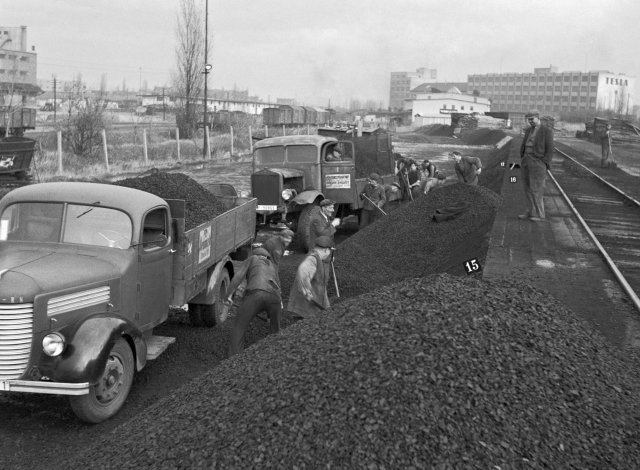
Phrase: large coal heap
pixel 436 372
pixel 201 205
pixel 409 243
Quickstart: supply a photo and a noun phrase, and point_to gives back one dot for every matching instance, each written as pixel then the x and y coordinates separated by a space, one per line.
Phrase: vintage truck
pixel 87 271
pixel 292 174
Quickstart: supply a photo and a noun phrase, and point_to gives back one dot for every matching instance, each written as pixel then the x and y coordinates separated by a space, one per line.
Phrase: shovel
pixel 376 205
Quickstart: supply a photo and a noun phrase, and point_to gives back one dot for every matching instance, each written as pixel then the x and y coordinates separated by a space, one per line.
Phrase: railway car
pixel 310 115
pixel 272 116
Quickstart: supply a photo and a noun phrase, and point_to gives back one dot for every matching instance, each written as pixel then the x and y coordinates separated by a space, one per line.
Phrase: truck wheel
pixel 195 314
pixel 107 396
pixel 216 313
pixel 304 222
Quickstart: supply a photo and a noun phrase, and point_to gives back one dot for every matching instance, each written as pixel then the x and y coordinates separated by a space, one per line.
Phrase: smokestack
pixel 23 38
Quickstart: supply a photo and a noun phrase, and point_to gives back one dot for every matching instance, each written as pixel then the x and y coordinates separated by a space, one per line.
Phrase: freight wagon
pixel 88 270
pixel 296 116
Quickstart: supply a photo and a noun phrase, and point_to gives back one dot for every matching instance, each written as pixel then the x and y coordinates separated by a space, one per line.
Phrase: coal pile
pixel 201 205
pixel 409 243
pixel 437 372
pixel 482 136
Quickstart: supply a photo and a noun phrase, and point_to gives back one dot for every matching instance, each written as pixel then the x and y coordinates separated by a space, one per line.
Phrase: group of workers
pixel 309 293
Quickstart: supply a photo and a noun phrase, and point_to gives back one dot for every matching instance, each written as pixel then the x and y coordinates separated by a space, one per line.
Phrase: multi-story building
pixel 402 83
pixel 18 80
pixel 555 92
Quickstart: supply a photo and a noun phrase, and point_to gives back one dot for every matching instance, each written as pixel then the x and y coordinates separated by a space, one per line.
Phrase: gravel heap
pixel 409 243
pixel 437 372
pixel 201 205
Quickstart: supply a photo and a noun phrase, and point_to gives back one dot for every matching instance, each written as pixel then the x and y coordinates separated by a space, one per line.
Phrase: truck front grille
pixel 16 331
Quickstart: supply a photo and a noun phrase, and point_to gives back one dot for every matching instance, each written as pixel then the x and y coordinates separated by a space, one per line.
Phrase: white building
pixel 402 83
pixel 432 106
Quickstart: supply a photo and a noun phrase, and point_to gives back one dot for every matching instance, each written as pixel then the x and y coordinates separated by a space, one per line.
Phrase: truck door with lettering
pixel 338 172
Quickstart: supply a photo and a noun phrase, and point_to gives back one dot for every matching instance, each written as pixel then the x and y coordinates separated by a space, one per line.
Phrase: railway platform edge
pixel 558 256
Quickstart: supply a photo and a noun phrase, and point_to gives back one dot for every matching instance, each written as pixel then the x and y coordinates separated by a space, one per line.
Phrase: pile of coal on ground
pixel 201 205
pixel 493 168
pixel 482 136
pixel 435 129
pixel 409 243
pixel 436 372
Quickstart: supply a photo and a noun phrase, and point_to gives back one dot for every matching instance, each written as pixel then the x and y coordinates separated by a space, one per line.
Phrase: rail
pixel 612 265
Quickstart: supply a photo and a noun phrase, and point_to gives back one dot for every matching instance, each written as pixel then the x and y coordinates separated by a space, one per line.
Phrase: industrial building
pixel 18 79
pixel 431 105
pixel 402 83
pixel 554 92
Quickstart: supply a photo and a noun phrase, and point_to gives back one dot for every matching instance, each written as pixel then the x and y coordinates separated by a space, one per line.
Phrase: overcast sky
pixel 329 49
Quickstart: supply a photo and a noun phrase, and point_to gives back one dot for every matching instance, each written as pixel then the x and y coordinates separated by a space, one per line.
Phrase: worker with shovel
pixel 374 198
pixel 607 154
pixel 308 296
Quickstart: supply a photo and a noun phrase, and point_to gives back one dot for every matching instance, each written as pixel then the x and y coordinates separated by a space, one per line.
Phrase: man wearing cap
pixel 374 198
pixel 262 292
pixel 322 223
pixel 335 155
pixel 467 168
pixel 308 296
pixel 536 152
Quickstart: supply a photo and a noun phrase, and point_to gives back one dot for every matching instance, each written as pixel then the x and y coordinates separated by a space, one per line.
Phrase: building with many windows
pixel 18 80
pixel 554 92
pixel 402 83
pixel 431 105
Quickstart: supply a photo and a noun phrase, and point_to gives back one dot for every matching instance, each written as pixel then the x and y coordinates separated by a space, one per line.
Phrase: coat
pixel 312 274
pixel 542 144
pixel 320 226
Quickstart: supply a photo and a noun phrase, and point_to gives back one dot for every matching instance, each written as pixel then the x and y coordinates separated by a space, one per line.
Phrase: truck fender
pixel 85 356
pixel 208 294
pixel 307 197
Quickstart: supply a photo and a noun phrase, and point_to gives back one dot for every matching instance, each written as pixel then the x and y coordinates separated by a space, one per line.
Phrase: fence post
pixel 144 146
pixel 232 150
pixel 59 151
pixel 206 130
pixel 266 131
pixel 283 131
pixel 308 130
pixel 104 148
pixel 178 142
pixel 250 140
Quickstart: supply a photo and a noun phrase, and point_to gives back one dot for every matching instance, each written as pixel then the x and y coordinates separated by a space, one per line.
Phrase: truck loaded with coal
pixel 292 174
pixel 88 270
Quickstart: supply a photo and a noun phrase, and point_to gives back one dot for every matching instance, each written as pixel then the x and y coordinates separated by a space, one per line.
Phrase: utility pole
pixel 207 67
pixel 164 105
pixel 55 99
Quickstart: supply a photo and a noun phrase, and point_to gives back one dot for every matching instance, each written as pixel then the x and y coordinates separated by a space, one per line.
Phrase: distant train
pixel 296 116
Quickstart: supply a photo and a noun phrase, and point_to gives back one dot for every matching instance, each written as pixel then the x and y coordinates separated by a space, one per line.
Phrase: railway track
pixel 610 215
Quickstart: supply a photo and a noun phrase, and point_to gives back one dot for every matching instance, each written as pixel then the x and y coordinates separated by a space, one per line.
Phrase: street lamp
pixel 207 69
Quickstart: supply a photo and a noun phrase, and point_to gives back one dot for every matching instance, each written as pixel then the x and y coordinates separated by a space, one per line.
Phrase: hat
pixel 455 154
pixel 374 176
pixel 324 242
pixel 531 114
pixel 326 202
pixel 337 149
pixel 286 233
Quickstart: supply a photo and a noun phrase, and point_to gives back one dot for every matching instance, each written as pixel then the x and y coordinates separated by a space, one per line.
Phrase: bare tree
pixel 190 64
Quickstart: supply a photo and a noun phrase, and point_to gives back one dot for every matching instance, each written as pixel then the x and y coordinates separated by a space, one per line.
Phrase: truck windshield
pixel 81 224
pixel 302 153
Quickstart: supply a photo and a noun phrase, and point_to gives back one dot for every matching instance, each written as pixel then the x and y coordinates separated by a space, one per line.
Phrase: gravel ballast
pixel 435 372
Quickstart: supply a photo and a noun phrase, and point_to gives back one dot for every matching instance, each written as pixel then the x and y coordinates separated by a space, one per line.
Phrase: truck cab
pixel 87 271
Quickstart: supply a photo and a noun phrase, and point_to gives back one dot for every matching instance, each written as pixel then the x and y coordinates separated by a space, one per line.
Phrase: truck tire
pixel 216 313
pixel 303 233
pixel 107 396
pixel 195 314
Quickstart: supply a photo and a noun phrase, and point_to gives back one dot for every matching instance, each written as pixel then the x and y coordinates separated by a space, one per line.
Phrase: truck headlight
pixel 288 194
pixel 53 344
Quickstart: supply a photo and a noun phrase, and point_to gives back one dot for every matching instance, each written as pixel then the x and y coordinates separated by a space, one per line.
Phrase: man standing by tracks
pixel 536 153
pixel 605 144
pixel 262 292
